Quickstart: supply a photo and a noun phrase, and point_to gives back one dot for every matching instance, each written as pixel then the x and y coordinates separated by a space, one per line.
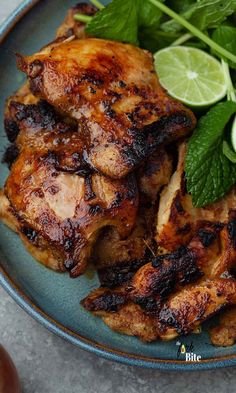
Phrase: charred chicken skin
pixel 169 296
pixel 113 92
pixel 181 313
pixel 59 202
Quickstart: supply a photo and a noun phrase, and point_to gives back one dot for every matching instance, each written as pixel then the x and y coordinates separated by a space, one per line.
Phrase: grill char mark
pixel 10 156
pixel 115 276
pixel 108 301
pixel 156 134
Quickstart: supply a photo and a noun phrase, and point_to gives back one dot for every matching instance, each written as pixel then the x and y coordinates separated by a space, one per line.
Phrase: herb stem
pixel 230 87
pixel 97 4
pixel 181 40
pixel 83 18
pixel 194 30
pixel 163 34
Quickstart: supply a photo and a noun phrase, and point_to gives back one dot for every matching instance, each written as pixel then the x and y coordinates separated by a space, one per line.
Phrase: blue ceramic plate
pixel 54 299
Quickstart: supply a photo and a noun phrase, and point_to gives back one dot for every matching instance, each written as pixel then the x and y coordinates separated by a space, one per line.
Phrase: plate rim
pixel 74 338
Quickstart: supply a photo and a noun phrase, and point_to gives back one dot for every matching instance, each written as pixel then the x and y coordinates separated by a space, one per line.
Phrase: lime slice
pixel 190 75
pixel 233 135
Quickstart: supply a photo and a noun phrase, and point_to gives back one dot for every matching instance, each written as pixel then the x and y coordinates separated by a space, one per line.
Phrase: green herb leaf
pixel 118 21
pixel 148 15
pixel 123 20
pixel 226 37
pixel 228 152
pixel 180 5
pixel 154 40
pixel 209 173
pixel 193 30
pixel 204 14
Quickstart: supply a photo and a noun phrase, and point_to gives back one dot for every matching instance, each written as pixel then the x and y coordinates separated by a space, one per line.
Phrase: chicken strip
pixel 151 177
pixel 178 219
pixel 210 253
pixel 60 204
pixel 112 90
pixel 182 313
pixel 118 259
pixel 186 310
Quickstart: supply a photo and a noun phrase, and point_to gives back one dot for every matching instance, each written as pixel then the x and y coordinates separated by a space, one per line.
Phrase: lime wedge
pixel 190 75
pixel 233 135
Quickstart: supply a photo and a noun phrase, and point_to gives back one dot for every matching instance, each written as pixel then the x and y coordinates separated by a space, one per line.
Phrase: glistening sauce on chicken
pixel 115 96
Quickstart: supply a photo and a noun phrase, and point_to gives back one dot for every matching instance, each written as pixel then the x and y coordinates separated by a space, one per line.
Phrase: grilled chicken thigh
pixel 60 204
pixel 174 292
pixel 113 92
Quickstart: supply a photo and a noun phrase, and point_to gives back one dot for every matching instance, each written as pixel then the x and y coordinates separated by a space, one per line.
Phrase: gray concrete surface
pixel 47 364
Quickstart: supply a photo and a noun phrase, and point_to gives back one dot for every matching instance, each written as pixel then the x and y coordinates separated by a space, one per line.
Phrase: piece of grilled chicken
pixel 152 176
pixel 111 249
pixel 112 91
pixel 177 218
pixel 52 198
pixel 149 295
pixel 211 253
pixel 224 335
pixel 127 253
pixel 174 293
pixel 118 259
pixel 181 313
pixel 71 27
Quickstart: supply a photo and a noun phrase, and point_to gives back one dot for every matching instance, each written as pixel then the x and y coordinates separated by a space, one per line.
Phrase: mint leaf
pixel 209 173
pixel 148 15
pixel 204 14
pixel 123 20
pixel 118 21
pixel 180 5
pixel 226 37
pixel 154 40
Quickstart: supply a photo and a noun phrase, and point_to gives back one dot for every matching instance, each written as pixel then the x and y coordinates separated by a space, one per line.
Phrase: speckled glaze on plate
pixel 51 298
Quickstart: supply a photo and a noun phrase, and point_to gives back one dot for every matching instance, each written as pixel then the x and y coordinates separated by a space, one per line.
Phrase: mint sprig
pixel 118 21
pixel 203 14
pixel 226 37
pixel 210 174
pixel 194 31
pixel 141 22
pixel 121 20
